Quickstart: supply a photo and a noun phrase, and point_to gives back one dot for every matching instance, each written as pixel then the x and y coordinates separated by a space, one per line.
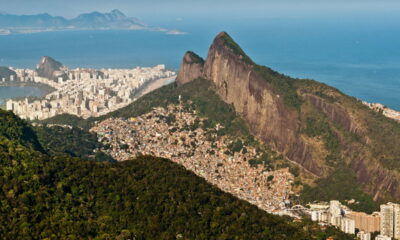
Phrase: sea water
pixel 359 56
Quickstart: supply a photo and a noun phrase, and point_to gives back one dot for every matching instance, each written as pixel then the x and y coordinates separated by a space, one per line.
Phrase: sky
pixel 179 9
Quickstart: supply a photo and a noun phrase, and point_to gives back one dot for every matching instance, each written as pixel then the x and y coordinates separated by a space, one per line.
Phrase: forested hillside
pixel 44 197
pixel 74 142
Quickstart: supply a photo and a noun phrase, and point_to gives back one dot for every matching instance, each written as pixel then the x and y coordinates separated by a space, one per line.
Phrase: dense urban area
pixel 177 135
pixel 85 92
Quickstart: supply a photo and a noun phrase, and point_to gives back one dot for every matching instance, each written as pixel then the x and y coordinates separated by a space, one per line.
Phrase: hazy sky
pixel 147 9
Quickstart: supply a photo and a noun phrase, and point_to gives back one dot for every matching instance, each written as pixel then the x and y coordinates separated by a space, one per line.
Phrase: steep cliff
pixel 191 68
pixel 312 124
pixel 239 82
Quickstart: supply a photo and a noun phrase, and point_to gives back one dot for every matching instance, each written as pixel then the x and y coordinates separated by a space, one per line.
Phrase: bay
pixel 358 55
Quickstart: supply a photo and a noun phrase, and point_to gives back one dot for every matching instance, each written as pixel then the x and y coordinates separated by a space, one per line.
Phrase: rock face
pixel 51 69
pixel 261 102
pixel 335 113
pixel 191 68
pixel 238 83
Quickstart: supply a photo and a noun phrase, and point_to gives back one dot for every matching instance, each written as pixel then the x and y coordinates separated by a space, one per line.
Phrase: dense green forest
pixel 74 142
pixel 16 129
pixel 59 197
pixel 67 119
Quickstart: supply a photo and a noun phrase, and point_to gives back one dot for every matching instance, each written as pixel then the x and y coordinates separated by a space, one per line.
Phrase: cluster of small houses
pixel 177 135
pixel 169 132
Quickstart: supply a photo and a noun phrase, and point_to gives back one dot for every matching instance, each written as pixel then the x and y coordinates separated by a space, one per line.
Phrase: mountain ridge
pixel 281 112
pixel 113 20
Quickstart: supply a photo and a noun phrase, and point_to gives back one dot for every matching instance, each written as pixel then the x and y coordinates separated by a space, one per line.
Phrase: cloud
pixel 167 31
pixel 176 32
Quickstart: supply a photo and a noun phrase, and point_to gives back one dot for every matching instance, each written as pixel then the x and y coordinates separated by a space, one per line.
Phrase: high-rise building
pixel 363 235
pixel 336 220
pixel 396 224
pixel 382 237
pixel 387 220
pixel 390 220
pixel 347 225
pixel 334 208
pixel 365 222
pixel 9 105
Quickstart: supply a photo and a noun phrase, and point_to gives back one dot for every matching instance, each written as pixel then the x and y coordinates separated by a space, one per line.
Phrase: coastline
pixel 387 112
pixel 153 85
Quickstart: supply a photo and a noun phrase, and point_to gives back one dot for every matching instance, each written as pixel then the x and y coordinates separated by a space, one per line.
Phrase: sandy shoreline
pixel 155 85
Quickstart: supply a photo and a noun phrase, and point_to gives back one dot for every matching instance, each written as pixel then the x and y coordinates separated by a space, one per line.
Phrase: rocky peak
pixel 224 46
pixel 191 68
pixel 224 43
pixel 50 68
pixel 49 61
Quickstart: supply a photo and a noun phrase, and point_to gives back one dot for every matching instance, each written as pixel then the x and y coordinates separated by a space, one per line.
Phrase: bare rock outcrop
pixel 51 69
pixel 191 68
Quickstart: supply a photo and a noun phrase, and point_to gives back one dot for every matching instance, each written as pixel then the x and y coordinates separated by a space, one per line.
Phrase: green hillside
pixel 74 142
pixel 45 197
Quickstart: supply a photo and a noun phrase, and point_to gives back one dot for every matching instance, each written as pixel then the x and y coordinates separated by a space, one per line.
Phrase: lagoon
pixel 7 92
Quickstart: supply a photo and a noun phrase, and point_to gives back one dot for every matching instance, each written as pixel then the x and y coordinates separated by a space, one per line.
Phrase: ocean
pixel 359 55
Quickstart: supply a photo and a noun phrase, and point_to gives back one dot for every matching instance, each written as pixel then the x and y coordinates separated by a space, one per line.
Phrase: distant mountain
pixel 31 21
pixel 114 20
